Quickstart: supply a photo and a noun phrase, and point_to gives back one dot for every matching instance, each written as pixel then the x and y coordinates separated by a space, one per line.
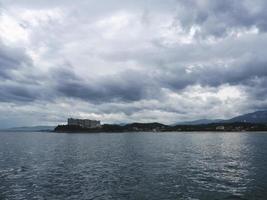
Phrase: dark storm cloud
pixel 218 18
pixel 17 93
pixel 123 87
pixel 17 85
pixel 12 59
pixel 257 88
pixel 135 85
pixel 236 73
pixel 132 86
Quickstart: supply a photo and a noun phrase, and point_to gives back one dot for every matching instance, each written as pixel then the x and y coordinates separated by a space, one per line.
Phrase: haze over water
pixel 133 166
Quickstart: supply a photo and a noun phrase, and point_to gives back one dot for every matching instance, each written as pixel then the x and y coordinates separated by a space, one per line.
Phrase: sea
pixel 135 166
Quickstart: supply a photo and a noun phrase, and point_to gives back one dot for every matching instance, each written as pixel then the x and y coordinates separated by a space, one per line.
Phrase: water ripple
pixel 133 166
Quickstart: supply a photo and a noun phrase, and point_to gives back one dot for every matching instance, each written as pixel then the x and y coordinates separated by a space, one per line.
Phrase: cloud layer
pixel 124 61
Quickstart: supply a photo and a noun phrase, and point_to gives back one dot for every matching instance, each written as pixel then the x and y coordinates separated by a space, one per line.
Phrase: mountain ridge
pixel 253 117
pixel 259 117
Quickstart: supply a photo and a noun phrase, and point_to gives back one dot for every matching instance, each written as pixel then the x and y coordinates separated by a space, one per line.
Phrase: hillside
pixel 255 117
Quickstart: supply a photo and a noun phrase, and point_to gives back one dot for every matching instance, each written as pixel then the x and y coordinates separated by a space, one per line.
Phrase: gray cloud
pixel 134 85
pixel 12 59
pixel 219 18
pixel 123 87
pixel 236 73
pixel 16 84
pixel 17 93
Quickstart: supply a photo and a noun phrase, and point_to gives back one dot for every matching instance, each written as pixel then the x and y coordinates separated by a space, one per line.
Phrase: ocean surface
pixel 133 166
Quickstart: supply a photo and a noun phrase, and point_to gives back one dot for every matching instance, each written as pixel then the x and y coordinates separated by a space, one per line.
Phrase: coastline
pixel 157 127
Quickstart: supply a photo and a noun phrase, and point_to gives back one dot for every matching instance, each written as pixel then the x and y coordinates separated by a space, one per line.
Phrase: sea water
pixel 173 165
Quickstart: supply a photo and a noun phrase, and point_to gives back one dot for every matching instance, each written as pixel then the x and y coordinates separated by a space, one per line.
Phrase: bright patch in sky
pixel 11 31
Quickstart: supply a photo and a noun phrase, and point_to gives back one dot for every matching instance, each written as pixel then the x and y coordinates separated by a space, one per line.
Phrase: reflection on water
pixel 133 166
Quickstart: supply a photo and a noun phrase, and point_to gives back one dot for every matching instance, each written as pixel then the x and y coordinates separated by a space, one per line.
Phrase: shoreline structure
pixel 93 126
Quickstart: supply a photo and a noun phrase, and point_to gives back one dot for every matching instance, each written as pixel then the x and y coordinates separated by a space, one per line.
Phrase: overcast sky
pixel 124 61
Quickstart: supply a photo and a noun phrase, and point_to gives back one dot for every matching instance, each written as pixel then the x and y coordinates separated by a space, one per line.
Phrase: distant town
pixel 256 121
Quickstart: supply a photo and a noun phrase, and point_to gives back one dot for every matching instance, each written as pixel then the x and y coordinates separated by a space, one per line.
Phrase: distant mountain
pixel 255 117
pixel 32 128
pixel 200 121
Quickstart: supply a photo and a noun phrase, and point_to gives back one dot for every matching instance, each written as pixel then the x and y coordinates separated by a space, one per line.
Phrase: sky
pixel 122 61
